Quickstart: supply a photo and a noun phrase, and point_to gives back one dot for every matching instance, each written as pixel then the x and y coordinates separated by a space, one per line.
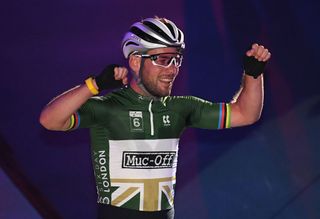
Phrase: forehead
pixel 163 50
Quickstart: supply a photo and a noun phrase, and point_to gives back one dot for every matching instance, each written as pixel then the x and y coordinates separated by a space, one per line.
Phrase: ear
pixel 134 63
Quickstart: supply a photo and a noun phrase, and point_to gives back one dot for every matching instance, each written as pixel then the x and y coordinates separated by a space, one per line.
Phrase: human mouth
pixel 167 80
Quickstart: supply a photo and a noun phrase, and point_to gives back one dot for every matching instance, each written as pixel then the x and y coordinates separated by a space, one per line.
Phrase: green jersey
pixel 134 143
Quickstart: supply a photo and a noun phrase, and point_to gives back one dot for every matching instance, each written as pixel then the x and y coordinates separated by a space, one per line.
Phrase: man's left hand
pixel 255 60
pixel 259 52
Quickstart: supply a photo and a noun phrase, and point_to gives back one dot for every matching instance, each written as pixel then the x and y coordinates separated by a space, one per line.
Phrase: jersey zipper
pixel 151 119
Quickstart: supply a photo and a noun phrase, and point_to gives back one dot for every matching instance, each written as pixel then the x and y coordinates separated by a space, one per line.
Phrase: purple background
pixel 270 170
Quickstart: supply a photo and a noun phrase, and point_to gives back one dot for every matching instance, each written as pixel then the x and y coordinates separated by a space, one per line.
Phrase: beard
pixel 151 87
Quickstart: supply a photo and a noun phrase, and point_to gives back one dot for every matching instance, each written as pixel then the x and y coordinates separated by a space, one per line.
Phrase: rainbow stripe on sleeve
pixel 224 116
pixel 74 121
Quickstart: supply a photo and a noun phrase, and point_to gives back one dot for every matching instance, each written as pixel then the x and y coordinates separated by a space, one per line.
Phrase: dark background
pixel 270 170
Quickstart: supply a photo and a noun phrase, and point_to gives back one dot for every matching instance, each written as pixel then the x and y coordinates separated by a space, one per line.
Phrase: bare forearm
pixel 247 105
pixel 56 115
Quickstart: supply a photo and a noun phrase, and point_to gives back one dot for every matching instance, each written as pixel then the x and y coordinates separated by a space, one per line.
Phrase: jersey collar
pixel 140 97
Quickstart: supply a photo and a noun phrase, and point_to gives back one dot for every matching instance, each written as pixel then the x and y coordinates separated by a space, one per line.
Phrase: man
pixel 135 130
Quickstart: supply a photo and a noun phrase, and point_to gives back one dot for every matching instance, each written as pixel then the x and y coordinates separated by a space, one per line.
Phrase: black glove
pixel 252 66
pixel 105 80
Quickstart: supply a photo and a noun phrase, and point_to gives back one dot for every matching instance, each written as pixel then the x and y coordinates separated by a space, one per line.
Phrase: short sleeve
pixel 208 115
pixel 88 114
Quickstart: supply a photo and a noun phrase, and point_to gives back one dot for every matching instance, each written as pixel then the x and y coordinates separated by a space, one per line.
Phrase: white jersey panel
pixel 143 159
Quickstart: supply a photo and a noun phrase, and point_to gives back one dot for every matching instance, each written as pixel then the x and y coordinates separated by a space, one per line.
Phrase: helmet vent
pixel 145 36
pixel 160 32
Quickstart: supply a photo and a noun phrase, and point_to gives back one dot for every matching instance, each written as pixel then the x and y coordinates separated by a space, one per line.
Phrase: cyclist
pixel 135 128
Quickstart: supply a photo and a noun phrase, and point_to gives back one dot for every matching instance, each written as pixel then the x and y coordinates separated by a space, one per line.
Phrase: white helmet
pixel 152 33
